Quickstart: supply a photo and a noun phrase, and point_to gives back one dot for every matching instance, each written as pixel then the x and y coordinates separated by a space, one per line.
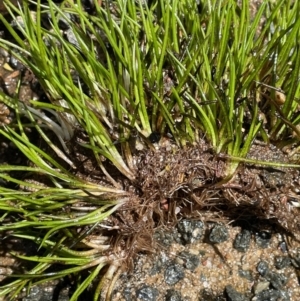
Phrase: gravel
pixel 277 280
pixel 173 273
pixel 282 262
pixel 271 295
pixel 218 234
pixel 147 293
pixel 190 230
pixel 209 271
pixel 263 268
pixel 228 265
pixel 242 240
pixel 191 261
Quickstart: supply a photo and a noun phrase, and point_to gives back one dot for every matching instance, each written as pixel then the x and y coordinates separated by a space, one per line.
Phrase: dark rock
pixel 267 295
pixel 154 137
pixel 156 268
pixel 173 295
pixel 263 238
pixel 147 293
pixel 15 63
pixel 242 241
pixel 64 21
pixel 48 293
pixel 190 230
pixel 282 262
pixel 245 274
pixel 233 295
pixel 263 268
pixel 191 261
pixel 46 19
pixel 206 296
pixel 218 234
pixel 271 295
pixel 277 280
pixel 173 274
pixel 159 264
pixel 89 6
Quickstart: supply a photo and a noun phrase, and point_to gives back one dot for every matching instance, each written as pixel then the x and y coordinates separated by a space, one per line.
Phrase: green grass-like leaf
pixel 167 68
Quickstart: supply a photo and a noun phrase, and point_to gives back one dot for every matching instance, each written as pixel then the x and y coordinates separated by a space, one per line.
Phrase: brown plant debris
pixel 185 183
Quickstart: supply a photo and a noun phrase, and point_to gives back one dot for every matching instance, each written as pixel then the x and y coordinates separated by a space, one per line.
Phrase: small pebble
pixel 277 280
pixel 157 267
pixel 242 241
pixel 218 234
pixel 173 273
pixel 191 261
pixel 271 295
pixel 191 230
pixel 282 262
pixel 147 293
pixel 263 268
pixel 154 137
pixel 284 295
pixel 159 264
pixel 261 286
pixel 15 63
pixel 4 53
pixel 263 238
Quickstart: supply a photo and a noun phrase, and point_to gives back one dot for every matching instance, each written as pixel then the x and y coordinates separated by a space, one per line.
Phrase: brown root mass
pixel 174 183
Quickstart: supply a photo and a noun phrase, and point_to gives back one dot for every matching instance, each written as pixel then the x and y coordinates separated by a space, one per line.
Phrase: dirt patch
pixel 209 269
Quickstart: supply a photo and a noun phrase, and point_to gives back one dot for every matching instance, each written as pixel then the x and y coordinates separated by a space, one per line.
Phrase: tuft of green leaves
pixel 170 68
pixel 166 68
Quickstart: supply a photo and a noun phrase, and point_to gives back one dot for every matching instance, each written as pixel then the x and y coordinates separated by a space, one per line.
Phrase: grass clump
pixel 117 80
